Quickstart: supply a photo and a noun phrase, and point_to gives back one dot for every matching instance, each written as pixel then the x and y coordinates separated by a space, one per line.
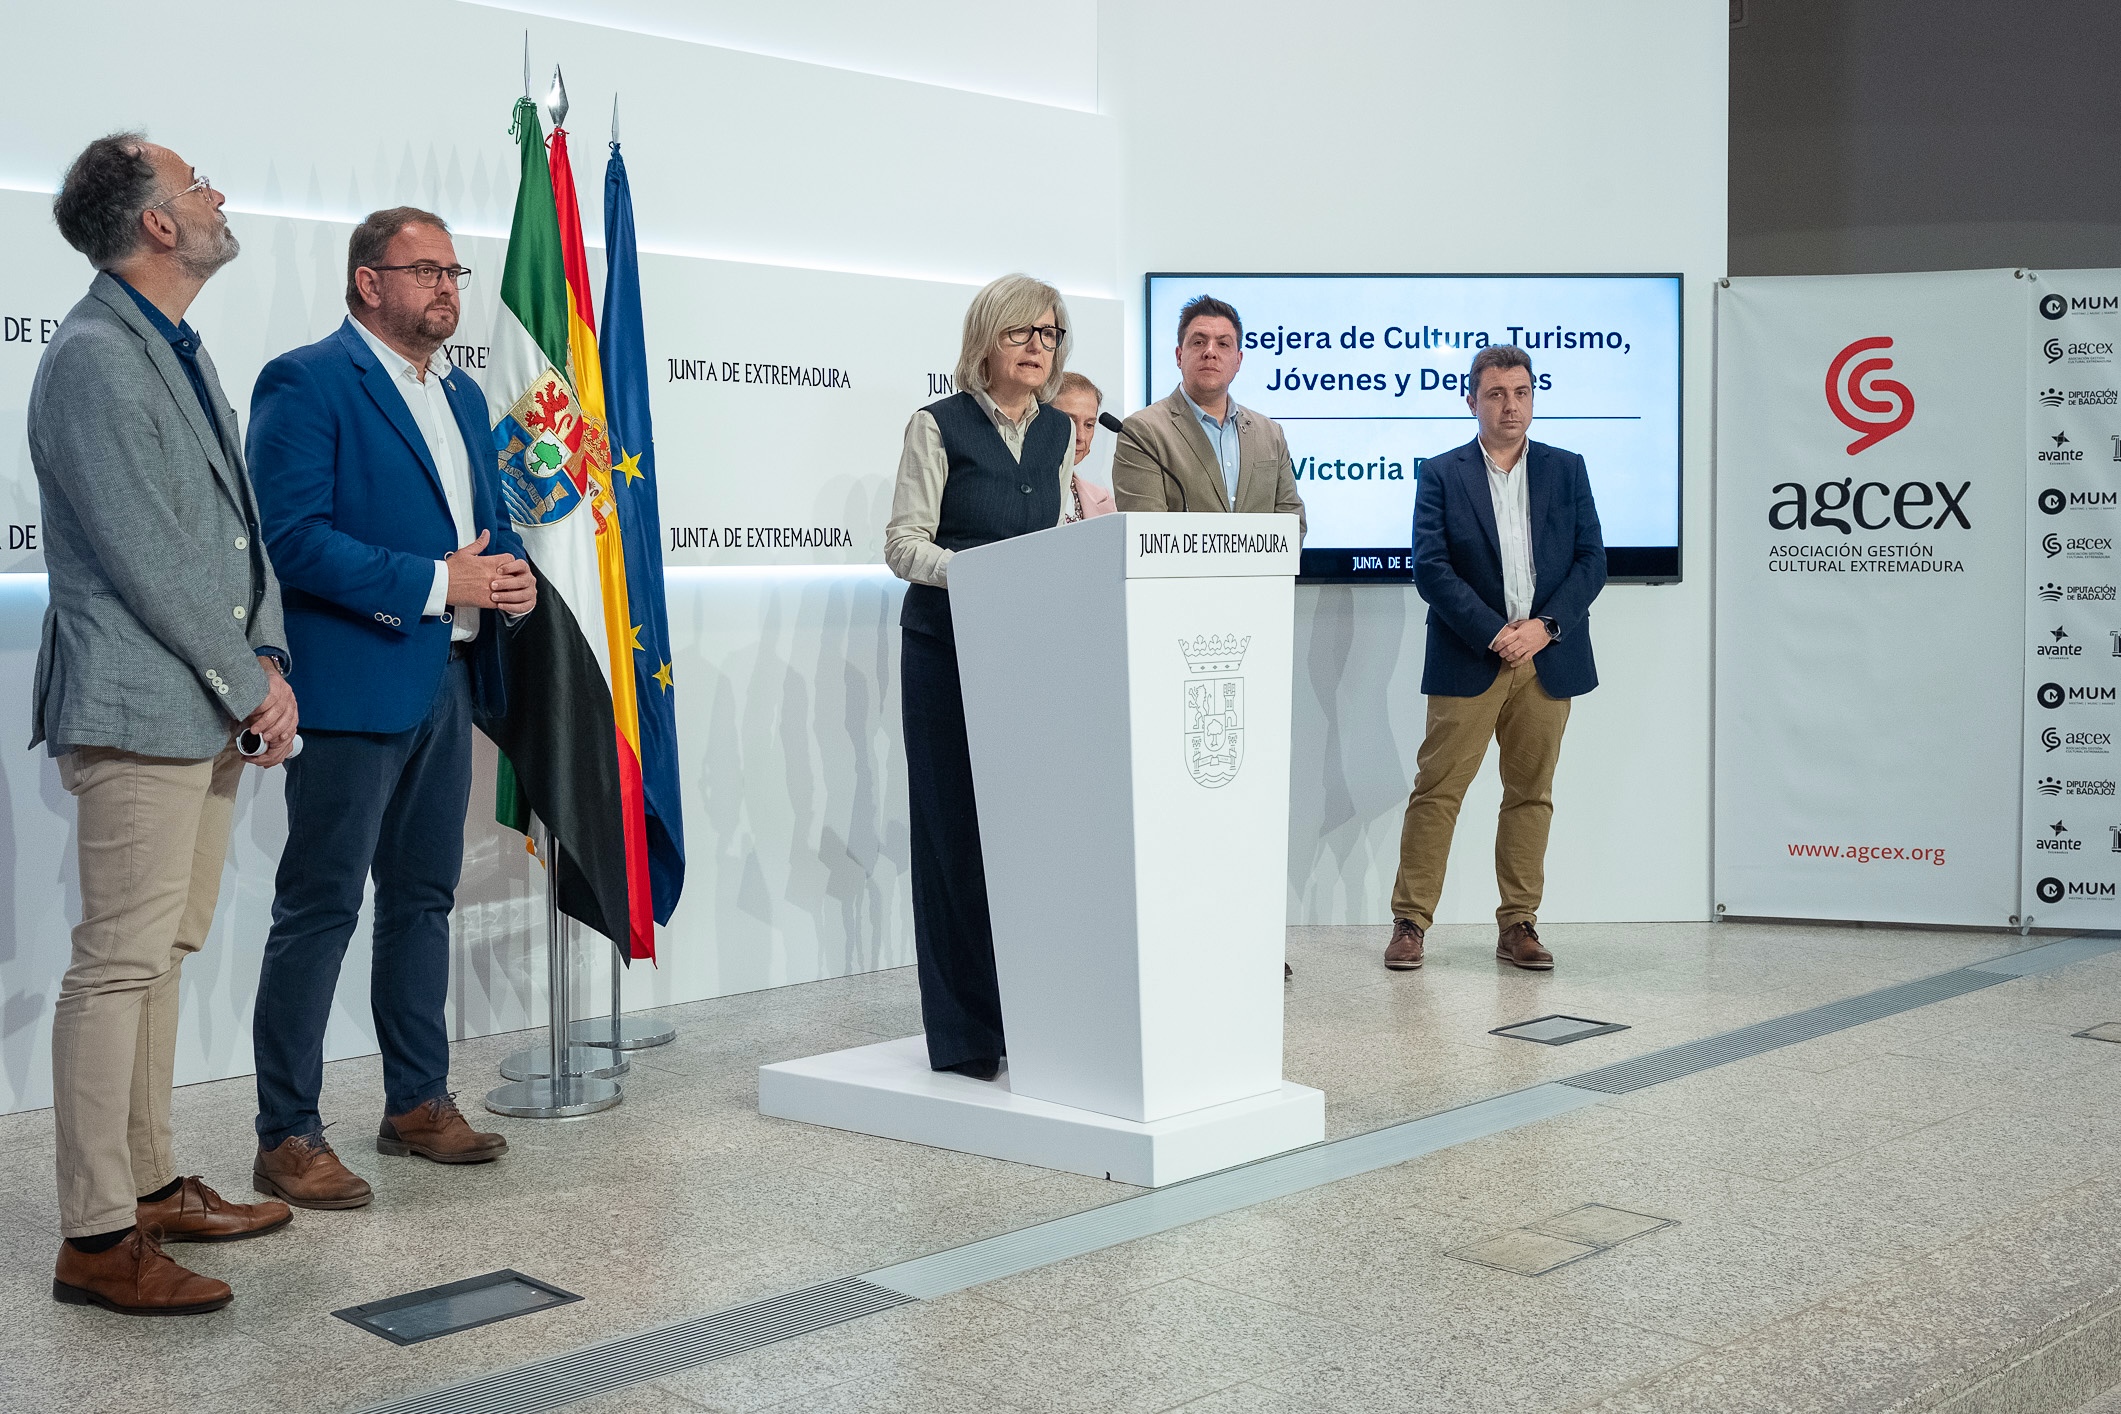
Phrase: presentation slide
pixel 1367 376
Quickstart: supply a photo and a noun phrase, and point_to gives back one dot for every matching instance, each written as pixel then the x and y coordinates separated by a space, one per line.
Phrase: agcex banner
pixel 1870 564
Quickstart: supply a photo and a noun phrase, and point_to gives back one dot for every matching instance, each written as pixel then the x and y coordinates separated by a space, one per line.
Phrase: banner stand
pixel 575 1080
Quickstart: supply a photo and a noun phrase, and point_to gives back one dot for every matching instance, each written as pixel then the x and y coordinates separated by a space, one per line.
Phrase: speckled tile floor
pixel 1858 1218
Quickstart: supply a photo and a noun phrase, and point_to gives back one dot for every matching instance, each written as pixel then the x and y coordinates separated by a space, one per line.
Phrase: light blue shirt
pixel 1222 436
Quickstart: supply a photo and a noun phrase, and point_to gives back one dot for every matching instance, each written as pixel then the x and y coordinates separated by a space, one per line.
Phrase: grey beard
pixel 201 254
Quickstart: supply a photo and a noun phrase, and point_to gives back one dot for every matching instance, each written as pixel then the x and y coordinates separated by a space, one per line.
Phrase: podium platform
pixel 888 1090
pixel 1127 685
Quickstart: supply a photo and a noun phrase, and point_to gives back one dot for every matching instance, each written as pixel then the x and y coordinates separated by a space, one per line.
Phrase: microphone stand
pixel 1107 420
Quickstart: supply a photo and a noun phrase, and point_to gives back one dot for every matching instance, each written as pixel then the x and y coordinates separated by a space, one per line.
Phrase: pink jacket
pixel 1095 499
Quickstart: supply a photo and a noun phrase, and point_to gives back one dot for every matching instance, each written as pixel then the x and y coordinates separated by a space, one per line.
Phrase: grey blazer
pixel 1166 434
pixel 161 592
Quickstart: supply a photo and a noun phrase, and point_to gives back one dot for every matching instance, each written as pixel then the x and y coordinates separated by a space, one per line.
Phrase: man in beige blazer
pixel 1197 450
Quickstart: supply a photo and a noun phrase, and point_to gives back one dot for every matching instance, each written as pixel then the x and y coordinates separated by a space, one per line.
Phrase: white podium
pixel 1127 700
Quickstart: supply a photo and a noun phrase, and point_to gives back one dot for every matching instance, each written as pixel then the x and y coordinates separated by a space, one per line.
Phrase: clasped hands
pixel 499 581
pixel 275 719
pixel 1518 641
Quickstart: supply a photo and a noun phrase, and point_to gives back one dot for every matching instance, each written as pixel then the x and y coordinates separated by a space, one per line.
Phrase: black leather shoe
pixel 982 1068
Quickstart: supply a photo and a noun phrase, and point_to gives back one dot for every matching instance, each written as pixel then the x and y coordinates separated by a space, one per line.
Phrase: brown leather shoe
pixel 1403 953
pixel 195 1213
pixel 1519 947
pixel 135 1279
pixel 438 1130
pixel 303 1170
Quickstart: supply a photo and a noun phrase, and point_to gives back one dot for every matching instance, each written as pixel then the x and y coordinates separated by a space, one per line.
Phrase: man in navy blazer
pixel 377 486
pixel 1508 554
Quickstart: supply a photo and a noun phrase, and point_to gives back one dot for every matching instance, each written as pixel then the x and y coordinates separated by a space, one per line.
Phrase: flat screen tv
pixel 1366 374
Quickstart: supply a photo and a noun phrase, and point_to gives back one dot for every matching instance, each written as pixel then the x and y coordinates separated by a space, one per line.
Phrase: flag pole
pixel 568 1087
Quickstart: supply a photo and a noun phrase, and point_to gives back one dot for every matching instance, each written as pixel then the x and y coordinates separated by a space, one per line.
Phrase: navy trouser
pixel 953 941
pixel 357 802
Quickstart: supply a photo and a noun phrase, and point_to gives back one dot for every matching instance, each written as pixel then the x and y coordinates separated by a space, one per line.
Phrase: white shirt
pixel 917 497
pixel 428 402
pixel 1513 531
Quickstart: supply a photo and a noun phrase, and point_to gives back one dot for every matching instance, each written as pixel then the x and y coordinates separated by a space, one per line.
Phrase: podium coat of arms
pixel 1214 708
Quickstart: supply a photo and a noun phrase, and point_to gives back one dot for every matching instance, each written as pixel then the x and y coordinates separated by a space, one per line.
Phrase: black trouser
pixel 953 939
pixel 361 803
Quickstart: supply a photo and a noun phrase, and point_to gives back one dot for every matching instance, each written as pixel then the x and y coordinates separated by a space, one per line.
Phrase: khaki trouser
pixel 1527 724
pixel 152 835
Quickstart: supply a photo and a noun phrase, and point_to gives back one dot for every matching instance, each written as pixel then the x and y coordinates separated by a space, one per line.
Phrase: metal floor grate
pixel 632 1359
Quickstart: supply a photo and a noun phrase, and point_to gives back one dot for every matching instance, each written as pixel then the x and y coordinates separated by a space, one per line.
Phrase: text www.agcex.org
pixel 1870 853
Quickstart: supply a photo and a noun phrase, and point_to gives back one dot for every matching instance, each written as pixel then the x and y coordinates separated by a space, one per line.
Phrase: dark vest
pixel 989 495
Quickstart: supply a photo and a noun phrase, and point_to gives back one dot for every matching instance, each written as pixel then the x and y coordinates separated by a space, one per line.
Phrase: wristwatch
pixel 1553 629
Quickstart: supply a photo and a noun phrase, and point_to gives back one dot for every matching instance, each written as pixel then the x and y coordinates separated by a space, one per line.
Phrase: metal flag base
pixel 635 1033
pixel 535 1063
pixel 574 1080
pixel 571 1095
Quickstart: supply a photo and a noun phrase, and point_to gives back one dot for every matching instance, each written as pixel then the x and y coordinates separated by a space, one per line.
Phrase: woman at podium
pixel 991 461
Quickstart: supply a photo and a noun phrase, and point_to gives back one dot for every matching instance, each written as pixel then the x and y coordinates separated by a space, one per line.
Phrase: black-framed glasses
pixel 1049 335
pixel 426 274
pixel 198 183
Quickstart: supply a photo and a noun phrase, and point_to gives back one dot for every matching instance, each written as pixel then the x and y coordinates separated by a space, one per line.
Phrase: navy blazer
pixel 1458 569
pixel 355 519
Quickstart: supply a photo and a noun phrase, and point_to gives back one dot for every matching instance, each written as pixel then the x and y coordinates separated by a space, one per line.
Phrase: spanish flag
pixel 566 754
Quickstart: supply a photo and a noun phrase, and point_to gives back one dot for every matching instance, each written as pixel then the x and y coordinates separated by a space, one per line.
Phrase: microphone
pixel 1107 420
pixel 249 743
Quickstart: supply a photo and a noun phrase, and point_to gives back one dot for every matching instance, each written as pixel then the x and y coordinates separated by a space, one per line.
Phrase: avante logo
pixel 2062 450
pixel 2058 840
pixel 1852 389
pixel 2053 306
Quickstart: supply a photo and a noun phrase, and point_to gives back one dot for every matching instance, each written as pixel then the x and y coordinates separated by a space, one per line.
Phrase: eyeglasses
pixel 426 274
pixel 199 183
pixel 1049 335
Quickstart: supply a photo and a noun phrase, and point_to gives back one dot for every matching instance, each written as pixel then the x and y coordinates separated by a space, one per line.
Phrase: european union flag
pixel 625 360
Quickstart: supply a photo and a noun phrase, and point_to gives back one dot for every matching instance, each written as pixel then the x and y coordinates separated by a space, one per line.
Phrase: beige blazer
pixel 1166 435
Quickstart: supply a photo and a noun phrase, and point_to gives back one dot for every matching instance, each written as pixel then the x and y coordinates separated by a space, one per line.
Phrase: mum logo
pixel 1865 403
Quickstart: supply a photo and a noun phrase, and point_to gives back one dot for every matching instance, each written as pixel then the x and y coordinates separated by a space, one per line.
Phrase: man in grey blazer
pixel 1197 450
pixel 162 641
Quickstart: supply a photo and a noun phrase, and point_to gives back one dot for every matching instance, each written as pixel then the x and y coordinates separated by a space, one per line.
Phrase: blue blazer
pixel 354 520
pixel 1458 569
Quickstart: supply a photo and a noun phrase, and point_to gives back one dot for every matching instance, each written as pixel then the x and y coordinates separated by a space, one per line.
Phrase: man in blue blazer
pixel 1508 555
pixel 377 486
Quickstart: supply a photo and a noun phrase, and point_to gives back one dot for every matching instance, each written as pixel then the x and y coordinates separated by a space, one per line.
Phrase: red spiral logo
pixel 1852 389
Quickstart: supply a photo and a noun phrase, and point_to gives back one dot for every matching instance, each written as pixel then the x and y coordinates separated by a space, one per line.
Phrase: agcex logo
pixel 1867 404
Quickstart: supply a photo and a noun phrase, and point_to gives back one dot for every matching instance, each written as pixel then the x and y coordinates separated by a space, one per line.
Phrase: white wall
pixel 1385 136
pixel 1552 137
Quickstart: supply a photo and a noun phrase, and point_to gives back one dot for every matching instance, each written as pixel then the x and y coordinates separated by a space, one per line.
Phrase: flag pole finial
pixel 526 63
pixel 556 100
pixel 614 120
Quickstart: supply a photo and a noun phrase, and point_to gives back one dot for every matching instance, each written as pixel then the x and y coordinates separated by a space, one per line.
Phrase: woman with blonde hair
pixel 990 462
